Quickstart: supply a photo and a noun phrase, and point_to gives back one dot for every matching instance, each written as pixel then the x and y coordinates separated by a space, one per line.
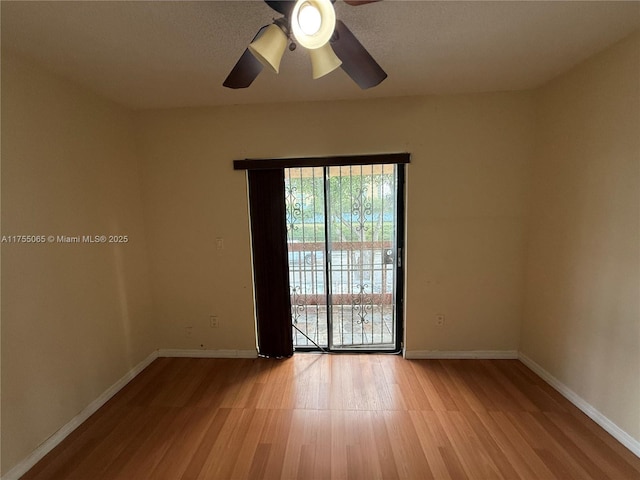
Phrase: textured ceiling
pixel 175 53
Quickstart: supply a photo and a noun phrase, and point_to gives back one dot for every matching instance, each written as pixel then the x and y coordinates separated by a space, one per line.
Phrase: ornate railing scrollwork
pixel 361 304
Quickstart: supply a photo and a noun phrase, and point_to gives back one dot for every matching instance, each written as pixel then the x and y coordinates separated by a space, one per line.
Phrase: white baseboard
pixel 208 353
pixel 594 414
pixel 463 354
pixel 49 444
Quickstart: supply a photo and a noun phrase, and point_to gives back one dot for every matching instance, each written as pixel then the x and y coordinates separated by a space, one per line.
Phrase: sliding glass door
pixel 344 239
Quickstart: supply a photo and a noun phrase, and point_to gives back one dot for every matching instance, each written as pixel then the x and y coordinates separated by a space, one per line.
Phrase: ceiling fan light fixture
pixel 313 22
pixel 323 61
pixel 269 47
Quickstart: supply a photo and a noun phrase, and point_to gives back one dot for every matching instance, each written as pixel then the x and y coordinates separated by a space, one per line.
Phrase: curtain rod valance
pixel 270 164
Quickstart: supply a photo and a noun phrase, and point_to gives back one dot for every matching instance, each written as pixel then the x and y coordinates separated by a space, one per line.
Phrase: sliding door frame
pixel 399 159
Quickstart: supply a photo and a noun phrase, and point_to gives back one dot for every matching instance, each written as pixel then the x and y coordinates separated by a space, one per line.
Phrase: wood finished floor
pixel 339 417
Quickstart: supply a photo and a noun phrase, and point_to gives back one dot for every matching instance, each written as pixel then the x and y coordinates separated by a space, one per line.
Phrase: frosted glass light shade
pixel 327 24
pixel 269 47
pixel 323 60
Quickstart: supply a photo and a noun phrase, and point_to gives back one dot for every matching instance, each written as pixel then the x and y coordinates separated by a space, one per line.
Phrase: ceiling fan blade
pixel 246 69
pixel 282 6
pixel 356 61
pixel 355 3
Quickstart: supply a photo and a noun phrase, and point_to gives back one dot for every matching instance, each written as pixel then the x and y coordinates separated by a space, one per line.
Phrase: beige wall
pixel 582 310
pixel 75 318
pixel 465 209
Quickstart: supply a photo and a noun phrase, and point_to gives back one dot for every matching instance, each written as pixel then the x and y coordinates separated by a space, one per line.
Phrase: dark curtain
pixel 270 263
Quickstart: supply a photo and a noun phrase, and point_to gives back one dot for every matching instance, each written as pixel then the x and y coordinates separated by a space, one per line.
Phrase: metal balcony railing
pixel 362 304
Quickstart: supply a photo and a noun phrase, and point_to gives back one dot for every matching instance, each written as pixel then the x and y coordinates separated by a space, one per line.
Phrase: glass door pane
pixel 362 249
pixel 305 209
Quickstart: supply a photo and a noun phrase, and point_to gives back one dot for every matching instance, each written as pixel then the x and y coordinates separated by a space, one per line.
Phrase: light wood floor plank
pixel 475 461
pixel 513 448
pixel 409 457
pixel 430 447
pixel 203 446
pixel 549 448
pixel 275 435
pixel 384 448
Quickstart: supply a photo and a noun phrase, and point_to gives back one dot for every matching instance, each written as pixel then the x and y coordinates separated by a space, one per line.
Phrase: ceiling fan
pixel 310 24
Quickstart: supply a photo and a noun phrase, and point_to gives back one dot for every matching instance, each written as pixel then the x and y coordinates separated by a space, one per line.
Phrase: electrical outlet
pixel 439 319
pixel 213 321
